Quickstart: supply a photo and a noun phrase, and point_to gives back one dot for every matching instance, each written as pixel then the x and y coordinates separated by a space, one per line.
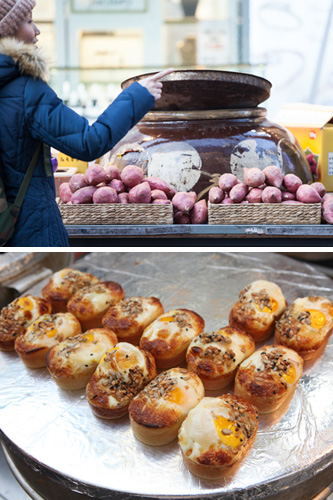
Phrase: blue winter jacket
pixel 30 112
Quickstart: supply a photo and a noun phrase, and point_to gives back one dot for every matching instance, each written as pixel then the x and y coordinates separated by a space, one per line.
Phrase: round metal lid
pixel 189 90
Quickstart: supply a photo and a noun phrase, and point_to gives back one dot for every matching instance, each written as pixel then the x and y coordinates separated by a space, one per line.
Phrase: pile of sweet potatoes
pixel 109 185
pixel 270 186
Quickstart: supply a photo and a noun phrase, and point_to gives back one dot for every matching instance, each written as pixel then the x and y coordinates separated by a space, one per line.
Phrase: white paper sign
pixel 109 5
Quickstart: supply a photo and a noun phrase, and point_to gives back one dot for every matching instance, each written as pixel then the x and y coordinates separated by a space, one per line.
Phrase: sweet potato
pixel 118 186
pixel 254 195
pixel 320 188
pixel 95 174
pixel 227 182
pixel 156 183
pixel 253 177
pixel 238 192
pixel 183 201
pixel 65 192
pixel 327 209
pixel 307 194
pixel 327 196
pixel 286 195
pixel 132 176
pixel 274 176
pixel 123 198
pixel 199 213
pixel 216 195
pixel 181 217
pixel 111 172
pixel 83 195
pixel 271 194
pixel 141 193
pixel 158 201
pixel 170 194
pixel 77 181
pixel 291 182
pixel 105 194
pixel 227 201
pixel 157 194
pixel 291 202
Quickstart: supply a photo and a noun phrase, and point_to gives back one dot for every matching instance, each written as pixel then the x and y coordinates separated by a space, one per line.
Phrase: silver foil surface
pixel 58 434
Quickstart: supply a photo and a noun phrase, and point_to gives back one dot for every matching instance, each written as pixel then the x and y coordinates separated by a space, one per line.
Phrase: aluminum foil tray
pixel 58 435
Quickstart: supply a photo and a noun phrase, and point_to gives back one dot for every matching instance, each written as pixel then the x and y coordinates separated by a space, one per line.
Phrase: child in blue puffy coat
pixel 31 112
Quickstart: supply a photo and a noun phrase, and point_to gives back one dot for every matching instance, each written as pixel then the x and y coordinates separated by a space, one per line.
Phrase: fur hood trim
pixel 29 58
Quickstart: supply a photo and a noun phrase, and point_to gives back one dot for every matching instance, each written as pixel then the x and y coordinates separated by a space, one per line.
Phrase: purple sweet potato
pixel 118 186
pixel 132 176
pixel 254 195
pixel 105 194
pixel 307 194
pixel 199 213
pixel 216 195
pixel 95 174
pixel 286 195
pixel 327 196
pixel 83 195
pixel 327 209
pixel 183 201
pixel 157 194
pixel 271 194
pixel 253 177
pixel 291 182
pixel 123 198
pixel 320 188
pixel 111 172
pixel 227 201
pixel 141 193
pixel 65 192
pixel 238 192
pixel 274 176
pixel 158 201
pixel 170 194
pixel 156 183
pixel 77 181
pixel 227 182
pixel 181 217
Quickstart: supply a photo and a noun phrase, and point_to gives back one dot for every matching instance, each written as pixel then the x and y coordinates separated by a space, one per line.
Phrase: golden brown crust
pixel 240 319
pixel 215 356
pixel 15 319
pixel 169 349
pixel 83 303
pixel 70 282
pixel 45 332
pixel 294 328
pixel 72 363
pixel 129 317
pixel 106 383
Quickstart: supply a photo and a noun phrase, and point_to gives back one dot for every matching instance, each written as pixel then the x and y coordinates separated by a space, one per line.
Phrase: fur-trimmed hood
pixel 27 60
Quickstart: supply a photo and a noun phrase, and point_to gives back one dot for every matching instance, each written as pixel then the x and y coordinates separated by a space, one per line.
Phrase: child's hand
pixel 152 83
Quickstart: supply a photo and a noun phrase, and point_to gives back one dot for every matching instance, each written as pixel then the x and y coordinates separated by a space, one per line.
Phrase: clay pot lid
pixel 190 90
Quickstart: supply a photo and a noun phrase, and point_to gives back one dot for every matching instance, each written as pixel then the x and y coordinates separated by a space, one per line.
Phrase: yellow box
pixel 65 161
pixel 312 126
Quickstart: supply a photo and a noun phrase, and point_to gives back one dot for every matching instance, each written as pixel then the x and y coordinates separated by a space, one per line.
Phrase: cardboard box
pixel 312 126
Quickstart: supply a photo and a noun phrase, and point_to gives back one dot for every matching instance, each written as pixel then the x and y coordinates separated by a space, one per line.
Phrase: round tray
pixel 53 433
pixel 189 90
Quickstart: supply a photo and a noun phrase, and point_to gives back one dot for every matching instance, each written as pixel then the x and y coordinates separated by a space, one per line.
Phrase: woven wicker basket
pixel 264 213
pixel 116 214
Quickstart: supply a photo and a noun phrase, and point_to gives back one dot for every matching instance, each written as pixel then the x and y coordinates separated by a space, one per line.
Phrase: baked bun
pixel 268 376
pixel 158 411
pixel 259 306
pixel 62 286
pixel 129 317
pixel 72 362
pixel 306 326
pixel 121 374
pixel 217 434
pixel 215 356
pixel 169 336
pixel 17 316
pixel 44 333
pixel 91 303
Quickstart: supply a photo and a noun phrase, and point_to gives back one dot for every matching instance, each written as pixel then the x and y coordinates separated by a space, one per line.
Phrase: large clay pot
pixel 191 148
